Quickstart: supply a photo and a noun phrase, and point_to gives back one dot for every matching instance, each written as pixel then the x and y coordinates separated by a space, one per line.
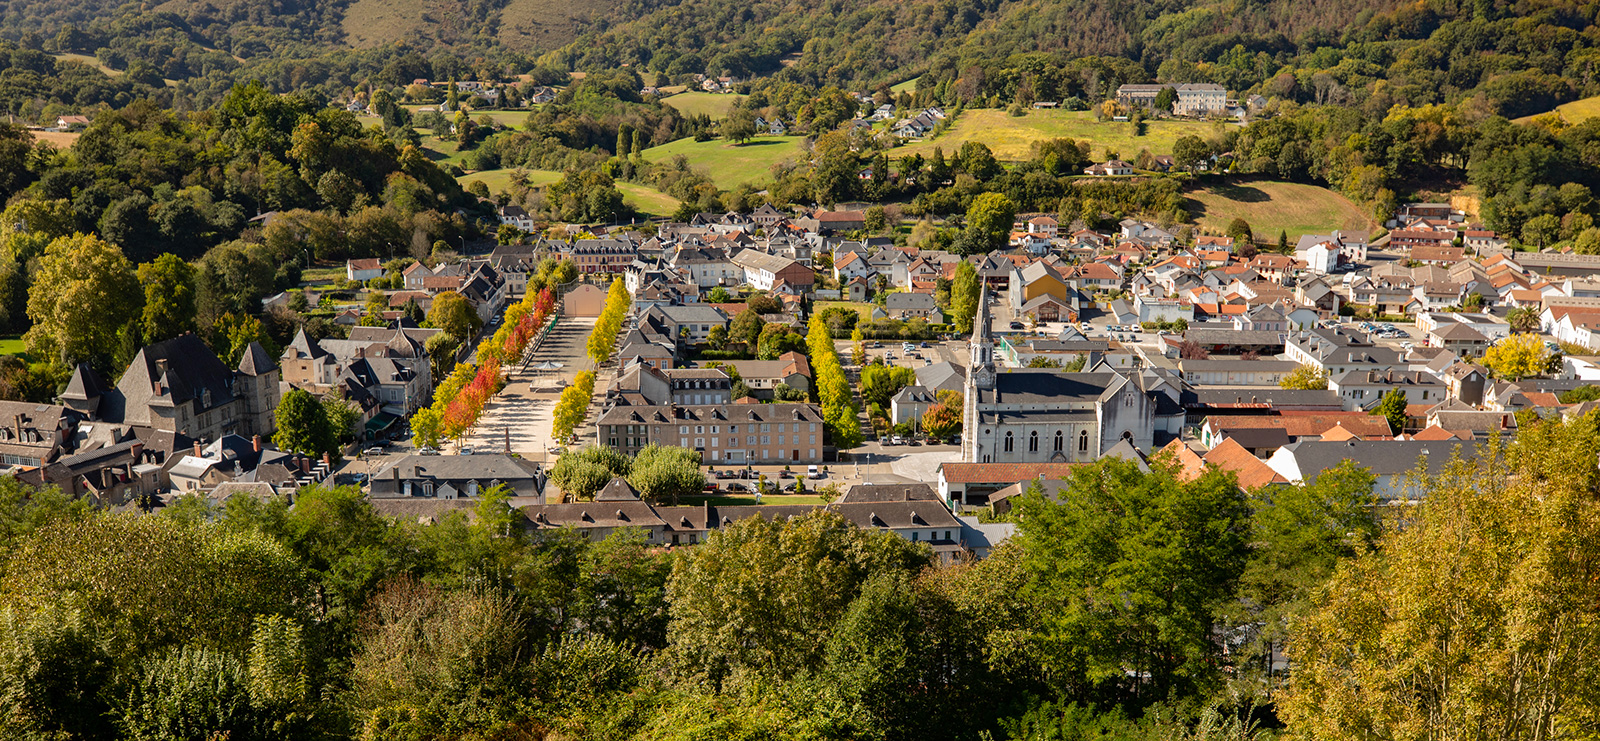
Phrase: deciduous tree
pixel 85 291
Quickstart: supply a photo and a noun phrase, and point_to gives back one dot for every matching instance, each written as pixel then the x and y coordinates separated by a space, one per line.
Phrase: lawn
pixel 12 345
pixel 499 180
pixel 1575 112
pixel 909 86
pixel 647 200
pixel 715 105
pixel 730 164
pixel 1270 206
pixel 1011 138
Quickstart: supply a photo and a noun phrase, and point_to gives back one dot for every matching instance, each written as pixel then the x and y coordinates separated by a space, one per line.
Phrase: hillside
pixel 1272 206
pixel 1011 138
pixel 1573 113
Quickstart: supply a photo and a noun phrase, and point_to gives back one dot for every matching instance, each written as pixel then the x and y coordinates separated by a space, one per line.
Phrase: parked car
pixel 894 440
pixel 1016 325
pixel 427 451
pixel 374 450
pixel 467 451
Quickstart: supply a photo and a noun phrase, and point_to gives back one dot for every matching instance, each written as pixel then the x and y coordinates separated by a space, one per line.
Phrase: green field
pixel 12 346
pixel 909 86
pixel 647 200
pixel 730 164
pixel 715 105
pixel 1271 206
pixel 1574 113
pixel 1011 138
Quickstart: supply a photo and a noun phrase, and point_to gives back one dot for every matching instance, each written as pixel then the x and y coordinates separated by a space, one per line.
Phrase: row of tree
pixel 833 387
pixel 606 328
pixel 572 408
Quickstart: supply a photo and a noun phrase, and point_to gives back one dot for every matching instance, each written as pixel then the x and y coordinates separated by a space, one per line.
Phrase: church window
pixel 1033 441
pixel 1009 441
pixel 1060 438
pixel 1083 441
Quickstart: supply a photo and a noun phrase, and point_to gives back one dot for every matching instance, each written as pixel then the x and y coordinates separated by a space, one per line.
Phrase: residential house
pixel 912 306
pixel 764 272
pixel 457 477
pixel 363 270
pixel 1389 461
pixel 179 385
pixel 1110 168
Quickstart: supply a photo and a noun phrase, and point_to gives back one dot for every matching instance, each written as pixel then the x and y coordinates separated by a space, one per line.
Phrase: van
pixel 811 471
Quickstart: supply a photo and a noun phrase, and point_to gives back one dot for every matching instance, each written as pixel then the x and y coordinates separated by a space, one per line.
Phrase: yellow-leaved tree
pixel 1474 615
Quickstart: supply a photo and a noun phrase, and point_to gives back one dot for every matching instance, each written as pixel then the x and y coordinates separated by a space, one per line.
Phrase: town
pixel 969 379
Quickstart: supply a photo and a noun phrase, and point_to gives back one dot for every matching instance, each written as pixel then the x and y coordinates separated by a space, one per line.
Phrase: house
pixel 852 265
pixel 723 433
pixel 840 221
pixel 763 272
pixel 385 363
pixel 685 323
pixel 456 476
pixel 1220 371
pixel 1044 226
pixel 1389 461
pixel 363 270
pixel 1364 389
pixel 964 484
pixel 764 376
pixel 1038 280
pixel 36 434
pixel 912 306
pixel 179 385
pixel 72 123
pixel 1109 168
pixel 910 404
pixel 1336 351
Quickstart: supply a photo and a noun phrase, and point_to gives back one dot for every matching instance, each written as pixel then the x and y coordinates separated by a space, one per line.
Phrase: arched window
pixel 1033 441
pixel 1083 441
pixel 1009 441
pixel 1060 440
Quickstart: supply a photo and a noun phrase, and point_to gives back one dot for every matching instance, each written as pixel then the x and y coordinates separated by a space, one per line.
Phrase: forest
pixel 1130 604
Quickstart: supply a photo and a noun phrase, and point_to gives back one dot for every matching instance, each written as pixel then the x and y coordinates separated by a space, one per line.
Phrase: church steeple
pixel 982 345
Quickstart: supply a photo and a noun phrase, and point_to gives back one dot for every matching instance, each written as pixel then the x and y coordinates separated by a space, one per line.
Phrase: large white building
pixel 1035 415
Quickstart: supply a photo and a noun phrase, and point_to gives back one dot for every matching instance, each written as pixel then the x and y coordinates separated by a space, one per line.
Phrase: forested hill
pixel 853 42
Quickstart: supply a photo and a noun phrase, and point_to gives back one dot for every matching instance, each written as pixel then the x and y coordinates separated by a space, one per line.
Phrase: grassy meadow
pixel 1271 206
pixel 1011 138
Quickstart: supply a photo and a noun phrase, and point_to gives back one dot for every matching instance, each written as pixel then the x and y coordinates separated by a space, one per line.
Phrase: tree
pixel 747 328
pixel 964 296
pixel 941 420
pixel 1305 377
pixel 452 313
pixel 717 339
pixel 740 126
pixel 1524 319
pixel 719 295
pixel 168 298
pixel 1517 357
pixel 1393 409
pixel 1191 350
pixel 1301 533
pixel 1469 613
pixel 877 221
pixel 303 425
pixel 1239 229
pixel 879 383
pixel 725 619
pixel 776 340
pixel 662 474
pixel 1190 152
pixel 581 473
pixel 1167 555
pixel 83 294
pixel 990 217
pixel 1165 99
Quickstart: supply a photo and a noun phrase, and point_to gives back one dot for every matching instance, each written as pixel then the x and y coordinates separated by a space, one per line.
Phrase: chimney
pixel 137 449
pixel 198 452
pixel 327 461
pixel 255 443
pixel 18 420
pixel 305 464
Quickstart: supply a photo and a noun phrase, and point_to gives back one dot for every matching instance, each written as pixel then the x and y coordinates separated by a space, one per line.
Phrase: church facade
pixel 1042 415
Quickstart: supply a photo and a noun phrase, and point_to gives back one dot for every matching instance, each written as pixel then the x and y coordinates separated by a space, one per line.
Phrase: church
pixel 1043 415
